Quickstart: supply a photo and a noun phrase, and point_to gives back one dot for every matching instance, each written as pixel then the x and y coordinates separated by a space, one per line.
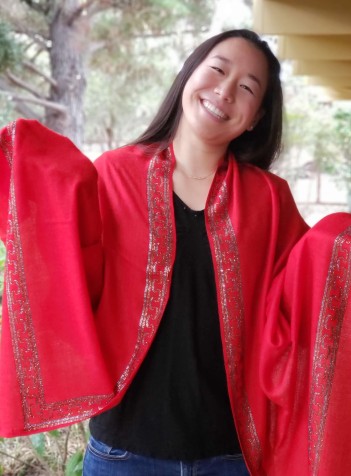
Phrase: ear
pixel 258 117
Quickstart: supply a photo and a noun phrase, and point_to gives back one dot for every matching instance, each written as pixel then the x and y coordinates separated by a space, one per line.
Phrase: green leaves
pixel 38 442
pixel 74 466
pixel 57 452
pixel 342 132
pixel 136 48
pixel 9 49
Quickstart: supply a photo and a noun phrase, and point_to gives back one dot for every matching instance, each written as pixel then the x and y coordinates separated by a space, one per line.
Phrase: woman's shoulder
pixel 127 154
pixel 264 177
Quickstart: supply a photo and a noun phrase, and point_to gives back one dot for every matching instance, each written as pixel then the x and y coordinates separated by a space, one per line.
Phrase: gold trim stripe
pixel 332 314
pixel 230 300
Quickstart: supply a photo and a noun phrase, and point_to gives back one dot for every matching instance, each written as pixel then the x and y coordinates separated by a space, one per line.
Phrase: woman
pixel 189 330
pixel 216 98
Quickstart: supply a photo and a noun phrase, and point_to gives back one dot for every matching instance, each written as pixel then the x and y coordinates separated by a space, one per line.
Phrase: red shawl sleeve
pixel 51 366
pixel 306 355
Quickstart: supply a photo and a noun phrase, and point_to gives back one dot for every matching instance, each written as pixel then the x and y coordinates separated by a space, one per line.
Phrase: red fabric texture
pixel 90 255
pixel 305 356
pixel 53 278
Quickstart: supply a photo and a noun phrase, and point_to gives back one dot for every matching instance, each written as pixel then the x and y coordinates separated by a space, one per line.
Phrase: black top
pixel 177 406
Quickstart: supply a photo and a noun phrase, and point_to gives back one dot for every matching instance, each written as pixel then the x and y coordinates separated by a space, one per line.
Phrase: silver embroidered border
pixel 232 309
pixel 159 263
pixel 336 295
pixel 7 142
pixel 37 413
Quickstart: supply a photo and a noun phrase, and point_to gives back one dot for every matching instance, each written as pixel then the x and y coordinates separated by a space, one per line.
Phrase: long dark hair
pixel 258 147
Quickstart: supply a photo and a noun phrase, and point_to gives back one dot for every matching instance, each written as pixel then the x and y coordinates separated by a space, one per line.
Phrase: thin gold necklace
pixel 200 178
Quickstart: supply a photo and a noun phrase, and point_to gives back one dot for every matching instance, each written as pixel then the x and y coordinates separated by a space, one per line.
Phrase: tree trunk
pixel 67 57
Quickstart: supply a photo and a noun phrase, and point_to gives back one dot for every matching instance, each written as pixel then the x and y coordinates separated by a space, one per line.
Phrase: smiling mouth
pixel 214 110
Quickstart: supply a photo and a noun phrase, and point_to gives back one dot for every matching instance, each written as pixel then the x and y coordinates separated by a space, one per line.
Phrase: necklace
pixel 194 177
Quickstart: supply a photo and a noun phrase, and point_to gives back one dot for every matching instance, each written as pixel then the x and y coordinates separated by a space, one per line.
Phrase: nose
pixel 225 91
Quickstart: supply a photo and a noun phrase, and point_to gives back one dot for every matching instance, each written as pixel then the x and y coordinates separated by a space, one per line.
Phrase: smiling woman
pixel 221 100
pixel 229 85
pixel 261 146
pixel 200 323
pixel 227 97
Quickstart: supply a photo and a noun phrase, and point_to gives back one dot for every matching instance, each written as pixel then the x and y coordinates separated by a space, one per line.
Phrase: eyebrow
pixel 250 75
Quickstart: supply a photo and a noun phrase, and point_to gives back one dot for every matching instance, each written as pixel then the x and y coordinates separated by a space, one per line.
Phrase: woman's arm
pixel 51 367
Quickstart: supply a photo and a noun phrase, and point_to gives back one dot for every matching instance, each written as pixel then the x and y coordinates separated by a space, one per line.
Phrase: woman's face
pixel 223 96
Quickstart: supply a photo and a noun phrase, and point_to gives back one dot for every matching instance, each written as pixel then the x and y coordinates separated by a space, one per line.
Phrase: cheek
pixel 189 93
pixel 251 108
pixel 198 80
pixel 189 89
pixel 185 99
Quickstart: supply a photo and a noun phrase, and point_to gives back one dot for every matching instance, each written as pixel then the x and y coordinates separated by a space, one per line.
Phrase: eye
pixel 216 68
pixel 244 86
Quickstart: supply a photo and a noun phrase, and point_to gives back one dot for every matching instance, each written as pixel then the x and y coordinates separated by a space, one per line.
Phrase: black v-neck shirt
pixel 177 407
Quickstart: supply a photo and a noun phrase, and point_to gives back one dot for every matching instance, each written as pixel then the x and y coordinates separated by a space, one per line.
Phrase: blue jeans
pixel 102 460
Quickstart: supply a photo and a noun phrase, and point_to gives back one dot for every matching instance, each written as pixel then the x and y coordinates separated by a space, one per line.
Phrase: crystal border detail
pixel 159 263
pixel 37 413
pixel 334 303
pixel 232 312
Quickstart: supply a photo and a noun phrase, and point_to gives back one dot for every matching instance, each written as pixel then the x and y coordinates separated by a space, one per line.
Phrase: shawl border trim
pixel 332 314
pixel 231 306
pixel 159 262
pixel 37 412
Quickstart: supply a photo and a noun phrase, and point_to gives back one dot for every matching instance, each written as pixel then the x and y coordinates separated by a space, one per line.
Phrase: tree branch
pixel 22 84
pixel 65 448
pixel 98 45
pixel 35 6
pixel 40 102
pixel 38 6
pixel 37 38
pixel 22 108
pixel 19 101
pixel 31 465
pixel 167 33
pixel 36 70
pixel 80 10
pixel 91 7
pixel 100 6
pixel 26 111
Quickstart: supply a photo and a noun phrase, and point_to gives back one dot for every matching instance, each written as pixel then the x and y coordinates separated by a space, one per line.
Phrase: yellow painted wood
pixel 310 17
pixel 315 35
pixel 331 81
pixel 316 47
pixel 323 68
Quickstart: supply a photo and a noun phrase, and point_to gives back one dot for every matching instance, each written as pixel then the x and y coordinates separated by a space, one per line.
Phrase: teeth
pixel 210 107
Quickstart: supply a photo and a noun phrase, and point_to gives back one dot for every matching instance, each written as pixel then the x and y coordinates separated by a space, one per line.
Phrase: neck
pixel 196 159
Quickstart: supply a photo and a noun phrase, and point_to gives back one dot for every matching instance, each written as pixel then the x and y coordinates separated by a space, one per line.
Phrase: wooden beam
pixel 338 94
pixel 316 47
pixel 310 17
pixel 322 68
pixel 330 81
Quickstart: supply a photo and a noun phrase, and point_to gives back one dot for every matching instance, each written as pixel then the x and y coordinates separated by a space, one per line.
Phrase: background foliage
pixel 58 452
pixel 125 54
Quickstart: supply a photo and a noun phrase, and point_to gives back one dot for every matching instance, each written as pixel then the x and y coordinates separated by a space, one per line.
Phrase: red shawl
pixel 90 250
